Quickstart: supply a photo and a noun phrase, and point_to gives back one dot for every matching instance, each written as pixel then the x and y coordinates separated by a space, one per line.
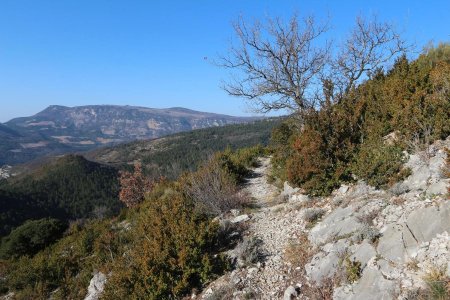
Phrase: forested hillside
pixel 73 187
pixel 67 189
pixel 172 155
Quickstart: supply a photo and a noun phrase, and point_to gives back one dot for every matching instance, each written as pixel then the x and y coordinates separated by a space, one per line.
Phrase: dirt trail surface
pixel 275 225
pixel 257 186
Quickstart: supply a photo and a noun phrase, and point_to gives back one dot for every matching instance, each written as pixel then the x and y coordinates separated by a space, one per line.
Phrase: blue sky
pixel 152 53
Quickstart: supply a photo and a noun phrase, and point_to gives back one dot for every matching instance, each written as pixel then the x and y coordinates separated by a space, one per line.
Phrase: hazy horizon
pixel 156 54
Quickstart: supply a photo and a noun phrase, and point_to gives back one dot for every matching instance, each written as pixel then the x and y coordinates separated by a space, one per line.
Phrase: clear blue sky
pixel 151 53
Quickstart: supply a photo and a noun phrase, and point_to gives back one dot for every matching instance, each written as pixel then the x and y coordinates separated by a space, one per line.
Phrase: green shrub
pixel 228 162
pixel 379 164
pixel 353 269
pixel 31 237
pixel 248 157
pixel 173 251
pixel 67 265
pixel 281 148
pixel 344 138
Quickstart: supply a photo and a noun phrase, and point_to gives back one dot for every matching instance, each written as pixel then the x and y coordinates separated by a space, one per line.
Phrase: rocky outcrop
pixel 96 286
pixel 426 168
pixel 371 286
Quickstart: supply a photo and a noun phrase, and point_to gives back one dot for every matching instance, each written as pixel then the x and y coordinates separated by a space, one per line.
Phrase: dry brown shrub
pixel 398 200
pixel 369 217
pixel 322 290
pixel 213 189
pixel 134 186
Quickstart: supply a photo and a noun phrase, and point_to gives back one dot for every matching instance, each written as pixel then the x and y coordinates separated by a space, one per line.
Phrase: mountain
pixel 7 133
pixel 60 129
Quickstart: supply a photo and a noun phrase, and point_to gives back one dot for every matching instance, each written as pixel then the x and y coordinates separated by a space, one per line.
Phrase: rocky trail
pixel 274 225
pixel 370 244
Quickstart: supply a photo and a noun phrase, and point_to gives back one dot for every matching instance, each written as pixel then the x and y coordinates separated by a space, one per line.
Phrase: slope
pixel 68 188
pixel 172 155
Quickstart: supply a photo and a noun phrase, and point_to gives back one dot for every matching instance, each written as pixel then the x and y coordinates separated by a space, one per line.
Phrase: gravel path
pixel 276 225
pixel 257 186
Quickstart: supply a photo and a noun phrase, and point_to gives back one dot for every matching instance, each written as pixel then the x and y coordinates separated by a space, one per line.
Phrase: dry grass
pixel 322 290
pixel 398 200
pixel 437 287
pixel 306 204
pixel 299 252
pixel 413 265
pixel 446 169
pixel 438 284
pixel 224 292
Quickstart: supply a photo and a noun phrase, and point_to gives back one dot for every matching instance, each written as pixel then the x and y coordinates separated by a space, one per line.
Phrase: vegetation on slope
pixel 31 237
pixel 365 134
pixel 68 189
pixel 172 155
pixel 71 187
pixel 161 248
pixel 167 243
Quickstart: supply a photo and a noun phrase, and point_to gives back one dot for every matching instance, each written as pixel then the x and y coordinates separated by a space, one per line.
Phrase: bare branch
pixel 277 63
pixel 280 65
pixel 370 45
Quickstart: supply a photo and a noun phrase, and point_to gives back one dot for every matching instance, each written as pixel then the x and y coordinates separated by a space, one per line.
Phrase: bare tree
pixel 370 45
pixel 291 66
pixel 278 63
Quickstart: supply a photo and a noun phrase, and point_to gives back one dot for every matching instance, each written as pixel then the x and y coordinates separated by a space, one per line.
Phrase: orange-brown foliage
pixel 134 186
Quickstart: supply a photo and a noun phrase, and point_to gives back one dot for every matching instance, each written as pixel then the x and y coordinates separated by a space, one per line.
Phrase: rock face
pixel 290 293
pixel 370 244
pixel 239 219
pixel 326 262
pixel 341 222
pixel 426 170
pixel 371 286
pixel 96 286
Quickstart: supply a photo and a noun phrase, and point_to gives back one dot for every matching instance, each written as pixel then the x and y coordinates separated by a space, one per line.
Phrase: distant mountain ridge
pixel 60 129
